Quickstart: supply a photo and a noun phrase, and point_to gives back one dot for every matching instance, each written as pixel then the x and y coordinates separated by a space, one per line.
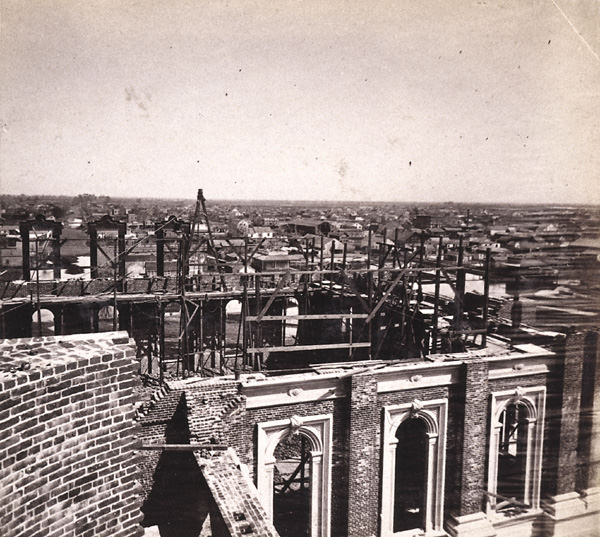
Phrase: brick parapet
pixel 68 437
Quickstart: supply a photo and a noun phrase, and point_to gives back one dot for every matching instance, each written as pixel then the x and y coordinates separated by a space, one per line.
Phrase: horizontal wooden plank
pixel 324 347
pixel 183 447
pixel 309 317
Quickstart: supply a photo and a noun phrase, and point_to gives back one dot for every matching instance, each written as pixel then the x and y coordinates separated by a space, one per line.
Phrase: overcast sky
pixel 424 100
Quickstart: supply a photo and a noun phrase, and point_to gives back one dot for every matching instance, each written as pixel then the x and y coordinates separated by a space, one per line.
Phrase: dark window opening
pixel 42 323
pixel 512 458
pixel 411 475
pixel 291 484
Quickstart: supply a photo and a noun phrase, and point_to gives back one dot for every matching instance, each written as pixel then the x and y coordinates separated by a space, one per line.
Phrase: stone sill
pixel 499 520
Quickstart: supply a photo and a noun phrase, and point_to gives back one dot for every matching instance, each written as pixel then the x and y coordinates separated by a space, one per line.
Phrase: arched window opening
pixel 512 455
pixel 515 450
pixel 290 327
pixel 291 487
pixel 410 475
pixel 106 314
pixel 233 326
pixel 42 323
pixel 172 328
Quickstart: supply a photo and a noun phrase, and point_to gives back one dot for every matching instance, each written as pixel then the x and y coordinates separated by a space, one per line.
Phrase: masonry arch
pixel 108 318
pixel 317 433
pixel 515 450
pixel 410 480
pixel 43 323
pixel 233 320
pixel 172 328
pixel 290 326
pixel 291 486
pixel 413 467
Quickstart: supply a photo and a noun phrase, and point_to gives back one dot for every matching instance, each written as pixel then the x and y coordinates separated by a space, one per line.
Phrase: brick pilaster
pixel 473 448
pixel 363 458
pixel 569 412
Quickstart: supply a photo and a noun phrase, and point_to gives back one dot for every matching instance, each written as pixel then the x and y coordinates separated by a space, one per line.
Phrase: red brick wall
pixel 68 431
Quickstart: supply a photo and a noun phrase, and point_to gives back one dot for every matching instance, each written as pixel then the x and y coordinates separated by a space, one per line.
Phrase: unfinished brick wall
pixel 180 413
pixel 68 432
pixel 228 411
pixel 235 508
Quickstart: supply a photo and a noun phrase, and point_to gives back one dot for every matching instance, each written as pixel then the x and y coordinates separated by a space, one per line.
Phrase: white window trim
pixel 534 398
pixel 435 415
pixel 318 431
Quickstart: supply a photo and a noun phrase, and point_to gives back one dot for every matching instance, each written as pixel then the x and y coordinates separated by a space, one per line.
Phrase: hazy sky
pixel 456 100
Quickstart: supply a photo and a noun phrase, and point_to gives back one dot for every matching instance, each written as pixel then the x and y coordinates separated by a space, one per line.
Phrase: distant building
pixel 269 263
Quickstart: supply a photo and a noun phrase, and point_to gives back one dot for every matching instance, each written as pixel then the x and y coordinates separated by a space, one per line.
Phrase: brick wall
pixel 68 432
pixel 363 478
pixel 216 411
pixel 235 498
pixel 570 405
pixel 196 411
pixel 472 451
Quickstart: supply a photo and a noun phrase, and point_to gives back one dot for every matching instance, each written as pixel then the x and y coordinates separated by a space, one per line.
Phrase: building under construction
pixel 305 398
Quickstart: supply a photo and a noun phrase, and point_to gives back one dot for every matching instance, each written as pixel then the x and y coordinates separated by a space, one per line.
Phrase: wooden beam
pixel 324 347
pixel 387 293
pixel 273 296
pixel 452 286
pixel 354 290
pixel 309 316
pixel 190 317
pixel 182 447
pixel 255 250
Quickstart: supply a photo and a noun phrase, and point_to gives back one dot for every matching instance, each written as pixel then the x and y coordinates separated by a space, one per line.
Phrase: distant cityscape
pixel 548 255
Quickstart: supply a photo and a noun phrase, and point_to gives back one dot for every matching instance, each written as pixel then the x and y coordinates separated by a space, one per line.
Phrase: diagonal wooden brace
pixel 354 290
pixel 387 293
pixel 284 279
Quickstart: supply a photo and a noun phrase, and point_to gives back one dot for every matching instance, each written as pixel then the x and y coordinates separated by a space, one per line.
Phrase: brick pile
pixel 68 433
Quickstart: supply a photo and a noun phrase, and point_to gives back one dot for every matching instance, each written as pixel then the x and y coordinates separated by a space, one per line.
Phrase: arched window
pixel 512 451
pixel 291 487
pixel 410 475
pixel 233 320
pixel 290 326
pixel 515 452
pixel 412 480
pixel 290 453
pixel 42 323
pixel 108 317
